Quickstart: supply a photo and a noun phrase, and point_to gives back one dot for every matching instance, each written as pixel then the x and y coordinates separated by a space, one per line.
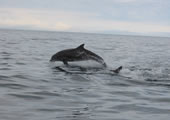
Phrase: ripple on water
pixel 45 93
pixel 158 84
pixel 4 63
pixel 4 77
pixel 5 69
pixel 26 96
pixel 50 110
pixel 157 80
pixel 140 108
pixel 20 63
pixel 7 58
pixel 4 53
pixel 20 76
pixel 13 85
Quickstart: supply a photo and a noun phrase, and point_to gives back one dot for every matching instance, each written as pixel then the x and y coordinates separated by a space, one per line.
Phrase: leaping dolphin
pixel 77 54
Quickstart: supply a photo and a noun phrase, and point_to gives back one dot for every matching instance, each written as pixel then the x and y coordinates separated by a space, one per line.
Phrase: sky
pixel 129 17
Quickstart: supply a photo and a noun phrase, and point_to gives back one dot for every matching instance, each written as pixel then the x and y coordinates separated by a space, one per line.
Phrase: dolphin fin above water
pixel 80 47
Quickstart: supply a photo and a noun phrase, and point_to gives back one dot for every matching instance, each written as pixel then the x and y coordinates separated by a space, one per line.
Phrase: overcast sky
pixel 143 17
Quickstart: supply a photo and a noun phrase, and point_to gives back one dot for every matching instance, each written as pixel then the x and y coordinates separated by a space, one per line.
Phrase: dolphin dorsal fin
pixel 80 47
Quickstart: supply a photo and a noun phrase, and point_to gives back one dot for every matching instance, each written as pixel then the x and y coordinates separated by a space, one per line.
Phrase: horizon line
pixel 104 33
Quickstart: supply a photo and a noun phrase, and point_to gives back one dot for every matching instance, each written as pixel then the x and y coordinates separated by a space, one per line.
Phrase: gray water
pixel 32 89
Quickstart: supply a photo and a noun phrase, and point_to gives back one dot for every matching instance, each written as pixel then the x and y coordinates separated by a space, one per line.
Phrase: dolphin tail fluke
pixel 117 70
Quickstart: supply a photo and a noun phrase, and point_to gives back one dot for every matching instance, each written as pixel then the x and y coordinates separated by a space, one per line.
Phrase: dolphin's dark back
pixel 77 54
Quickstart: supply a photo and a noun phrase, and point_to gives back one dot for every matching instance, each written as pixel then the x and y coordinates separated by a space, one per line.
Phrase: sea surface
pixel 32 88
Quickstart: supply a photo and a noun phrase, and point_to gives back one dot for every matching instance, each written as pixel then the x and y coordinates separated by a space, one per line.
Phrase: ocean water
pixel 31 88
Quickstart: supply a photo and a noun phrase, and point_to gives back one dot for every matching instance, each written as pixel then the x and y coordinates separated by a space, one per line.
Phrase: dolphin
pixel 77 54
